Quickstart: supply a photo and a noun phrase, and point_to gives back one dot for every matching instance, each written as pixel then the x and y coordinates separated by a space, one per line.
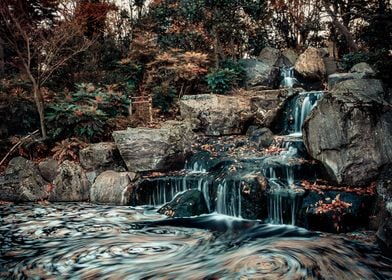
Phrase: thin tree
pixel 42 46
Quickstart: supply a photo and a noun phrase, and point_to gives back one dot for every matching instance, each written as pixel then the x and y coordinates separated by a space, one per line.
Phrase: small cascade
pixel 303 106
pixel 283 206
pixel 166 189
pixel 228 200
pixel 288 79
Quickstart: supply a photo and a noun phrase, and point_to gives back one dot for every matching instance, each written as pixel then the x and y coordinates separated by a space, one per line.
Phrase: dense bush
pixel 84 113
pixel 229 75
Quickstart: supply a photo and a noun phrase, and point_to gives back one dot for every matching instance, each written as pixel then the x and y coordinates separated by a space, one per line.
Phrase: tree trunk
pixel 341 27
pixel 39 103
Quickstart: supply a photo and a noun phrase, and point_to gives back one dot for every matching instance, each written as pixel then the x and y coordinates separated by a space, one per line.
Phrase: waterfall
pixel 228 201
pixel 304 104
pixel 288 79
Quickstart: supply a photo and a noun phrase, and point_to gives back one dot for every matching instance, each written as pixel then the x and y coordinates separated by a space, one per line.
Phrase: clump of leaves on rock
pixel 84 113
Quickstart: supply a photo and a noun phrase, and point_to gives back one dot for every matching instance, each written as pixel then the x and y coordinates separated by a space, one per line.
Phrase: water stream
pixel 83 241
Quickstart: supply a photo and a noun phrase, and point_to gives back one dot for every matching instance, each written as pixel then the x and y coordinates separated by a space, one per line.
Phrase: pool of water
pixel 84 241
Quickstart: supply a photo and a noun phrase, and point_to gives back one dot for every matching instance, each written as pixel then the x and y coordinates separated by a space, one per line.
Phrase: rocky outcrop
pixel 22 182
pixel 358 71
pixel 71 183
pixel 291 55
pixel 147 149
pixel 350 132
pixel 112 187
pixel 269 56
pixel 216 114
pixel 186 204
pixel 259 73
pixel 97 156
pixel 310 64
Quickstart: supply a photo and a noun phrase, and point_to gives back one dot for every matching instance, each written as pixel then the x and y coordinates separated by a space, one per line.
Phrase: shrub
pixel 163 97
pixel 84 113
pixel 229 75
pixel 221 80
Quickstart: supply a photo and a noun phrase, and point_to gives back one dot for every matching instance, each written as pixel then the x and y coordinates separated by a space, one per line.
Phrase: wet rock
pixel 99 155
pixel 259 73
pixel 186 204
pixel 71 184
pixel 350 132
pixel 383 211
pixel 266 105
pixel 147 149
pixel 364 70
pixel 269 56
pixel 216 114
pixel 310 64
pixel 48 169
pixel 262 137
pixel 22 182
pixel 253 189
pixel 316 212
pixel 112 187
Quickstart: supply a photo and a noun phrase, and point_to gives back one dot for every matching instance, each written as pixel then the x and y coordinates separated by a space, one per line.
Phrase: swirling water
pixel 83 241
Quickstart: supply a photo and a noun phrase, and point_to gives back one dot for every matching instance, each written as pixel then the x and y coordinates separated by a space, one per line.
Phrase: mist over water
pixel 83 241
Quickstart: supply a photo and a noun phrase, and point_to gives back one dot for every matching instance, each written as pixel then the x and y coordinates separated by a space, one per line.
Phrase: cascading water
pixel 287 75
pixel 303 106
pixel 228 201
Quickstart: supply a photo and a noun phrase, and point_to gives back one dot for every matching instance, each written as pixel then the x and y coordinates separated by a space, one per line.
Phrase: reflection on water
pixel 82 241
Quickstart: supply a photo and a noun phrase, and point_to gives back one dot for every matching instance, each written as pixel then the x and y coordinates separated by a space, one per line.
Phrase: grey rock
pixel 336 78
pixel 71 184
pixel 147 149
pixel 112 187
pixel 186 204
pixel 48 169
pixel 364 70
pixel 269 56
pixel 259 73
pixel 310 64
pixel 350 132
pixel 22 182
pixel 291 55
pixel 262 137
pixel 98 155
pixel 217 114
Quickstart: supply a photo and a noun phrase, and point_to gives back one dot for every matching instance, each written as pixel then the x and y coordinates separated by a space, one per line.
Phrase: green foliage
pixel 229 75
pixel 221 80
pixel 84 113
pixel 350 59
pixel 163 97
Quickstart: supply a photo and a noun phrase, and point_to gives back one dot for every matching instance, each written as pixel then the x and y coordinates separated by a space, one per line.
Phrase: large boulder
pixel 71 183
pixel 22 182
pixel 269 56
pixel 259 73
pixel 186 204
pixel 350 132
pixel 291 55
pixel 98 156
pixel 112 187
pixel 261 137
pixel 337 78
pixel 310 64
pixel 217 114
pixel 148 149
